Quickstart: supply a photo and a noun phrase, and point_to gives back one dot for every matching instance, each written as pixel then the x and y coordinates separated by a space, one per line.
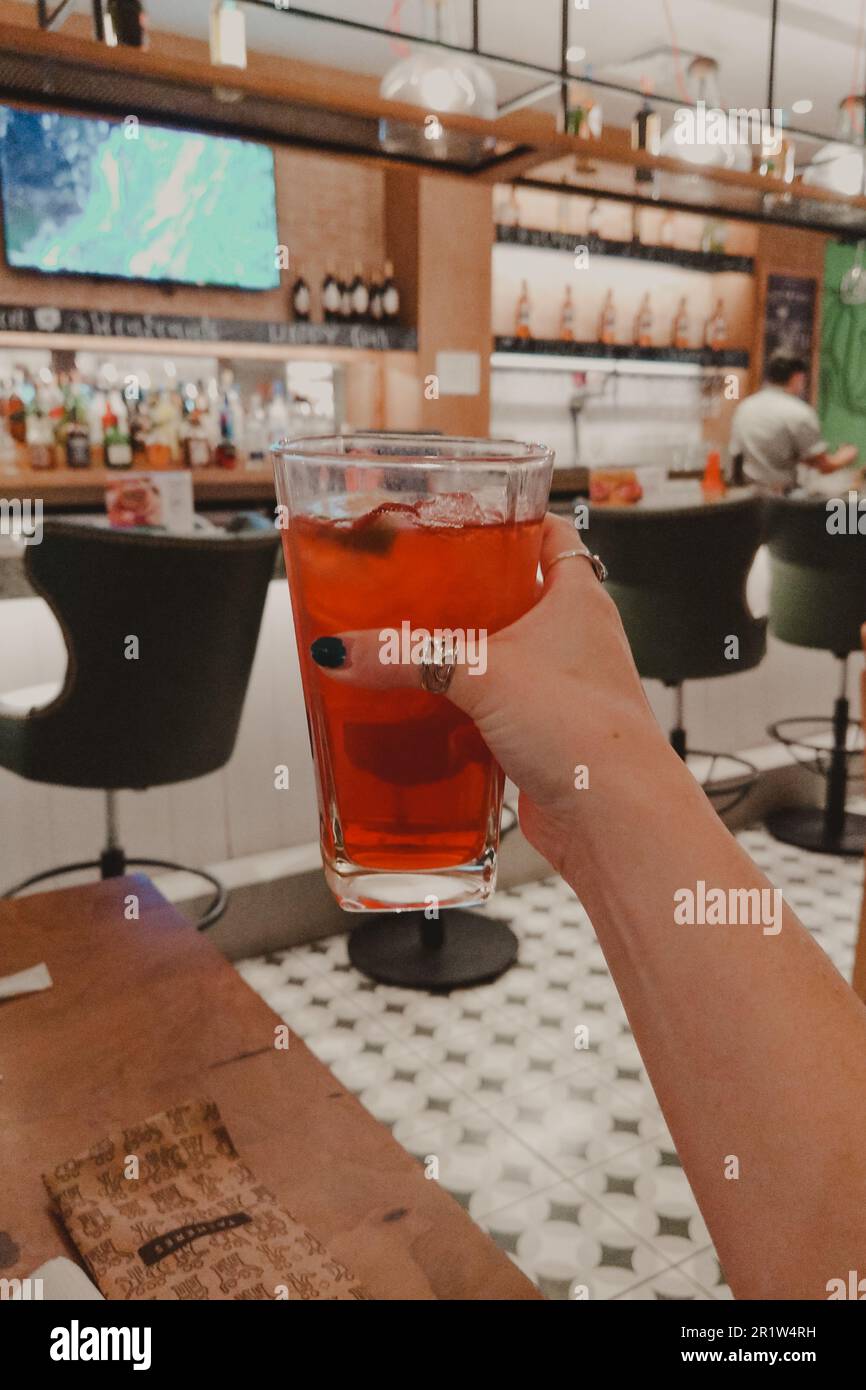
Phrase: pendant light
pixel 702 82
pixel 439 80
pixel 839 166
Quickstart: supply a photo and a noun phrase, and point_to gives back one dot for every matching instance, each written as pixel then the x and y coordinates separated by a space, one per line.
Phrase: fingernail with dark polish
pixel 329 652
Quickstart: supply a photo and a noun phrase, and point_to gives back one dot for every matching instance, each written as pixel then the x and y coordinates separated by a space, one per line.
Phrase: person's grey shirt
pixel 774 431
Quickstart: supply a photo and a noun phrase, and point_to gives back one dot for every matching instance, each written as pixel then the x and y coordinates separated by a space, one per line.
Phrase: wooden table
pixel 146 1014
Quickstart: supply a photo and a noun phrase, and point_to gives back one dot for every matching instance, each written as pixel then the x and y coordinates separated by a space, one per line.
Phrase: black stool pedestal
pixel 807 828
pixel 457 949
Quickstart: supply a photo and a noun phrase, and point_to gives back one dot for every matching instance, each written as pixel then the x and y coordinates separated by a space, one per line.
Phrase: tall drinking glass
pixel 412 537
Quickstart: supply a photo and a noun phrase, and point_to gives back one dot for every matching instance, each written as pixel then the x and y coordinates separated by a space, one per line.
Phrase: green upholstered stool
pixel 195 606
pixel 818 599
pixel 678 577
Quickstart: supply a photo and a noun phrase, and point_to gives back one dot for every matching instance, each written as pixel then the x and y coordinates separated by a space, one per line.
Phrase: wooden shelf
pixel 554 348
pixel 711 262
pixel 85 487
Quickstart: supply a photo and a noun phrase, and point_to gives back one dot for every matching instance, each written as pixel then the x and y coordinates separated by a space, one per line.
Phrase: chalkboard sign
pixel 103 323
pixel 789 316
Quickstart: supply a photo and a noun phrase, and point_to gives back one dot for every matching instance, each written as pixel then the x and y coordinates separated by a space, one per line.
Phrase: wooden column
pixel 439 233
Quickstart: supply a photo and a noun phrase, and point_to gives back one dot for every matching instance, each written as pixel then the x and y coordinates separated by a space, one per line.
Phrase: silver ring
pixel 437 669
pixel 598 565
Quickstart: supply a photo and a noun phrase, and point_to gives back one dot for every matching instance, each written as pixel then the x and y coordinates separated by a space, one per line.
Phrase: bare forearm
pixel 754 1044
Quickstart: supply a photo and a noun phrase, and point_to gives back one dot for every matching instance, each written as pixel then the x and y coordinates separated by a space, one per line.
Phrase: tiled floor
pixel 561 1154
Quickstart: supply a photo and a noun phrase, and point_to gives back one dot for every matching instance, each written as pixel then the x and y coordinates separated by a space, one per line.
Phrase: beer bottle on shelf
pixel 377 306
pixel 607 321
pixel 717 329
pixel 345 299
pixel 390 295
pixel 360 296
pixel 566 320
pixel 523 313
pixel 643 324
pixel 681 332
pixel 593 219
pixel 330 297
pixel 301 299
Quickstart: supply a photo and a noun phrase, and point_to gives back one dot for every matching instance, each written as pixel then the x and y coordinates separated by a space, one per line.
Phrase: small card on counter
pixel 163 499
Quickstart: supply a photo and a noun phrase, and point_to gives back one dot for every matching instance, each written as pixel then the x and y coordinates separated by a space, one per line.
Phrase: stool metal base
pixel 460 948
pixel 113 864
pixel 806 828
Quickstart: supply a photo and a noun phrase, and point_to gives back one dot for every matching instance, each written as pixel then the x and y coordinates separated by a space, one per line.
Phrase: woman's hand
pixel 560 705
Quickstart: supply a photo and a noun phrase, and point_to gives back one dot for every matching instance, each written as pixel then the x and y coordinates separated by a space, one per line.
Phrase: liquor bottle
pixel 330 297
pixel 667 229
pixel 75 431
pixel 377 306
pixel 226 455
pixel 566 320
pixel 16 412
pixel 345 299
pixel 607 321
pixel 643 324
pixel 39 435
pixel 116 446
pixel 278 415
pixel 194 441
pixel 514 214
pixel 593 218
pixel 256 433
pixel 139 428
pixel 717 329
pixel 390 295
pixel 523 313
pixel 301 299
pixel 360 295
pixel 680 335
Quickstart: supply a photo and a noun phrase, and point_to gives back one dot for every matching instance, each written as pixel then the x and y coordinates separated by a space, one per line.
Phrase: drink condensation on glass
pixel 381 532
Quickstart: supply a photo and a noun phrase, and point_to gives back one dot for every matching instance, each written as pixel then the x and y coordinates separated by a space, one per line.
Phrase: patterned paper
pixel 193 1224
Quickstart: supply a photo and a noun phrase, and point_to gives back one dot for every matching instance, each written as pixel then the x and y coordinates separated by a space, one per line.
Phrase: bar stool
pixel 161 631
pixel 678 577
pixel 818 599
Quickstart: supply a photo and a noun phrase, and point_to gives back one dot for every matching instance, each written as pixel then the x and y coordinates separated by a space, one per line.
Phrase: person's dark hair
pixel 783 365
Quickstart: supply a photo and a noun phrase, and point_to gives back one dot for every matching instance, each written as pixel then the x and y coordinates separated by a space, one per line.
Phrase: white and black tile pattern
pixel 528 1099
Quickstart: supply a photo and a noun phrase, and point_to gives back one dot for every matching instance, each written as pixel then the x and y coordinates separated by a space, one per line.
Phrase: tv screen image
pixel 136 202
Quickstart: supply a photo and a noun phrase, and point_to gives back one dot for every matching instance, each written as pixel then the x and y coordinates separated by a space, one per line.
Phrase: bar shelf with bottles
pixel 77 405
pixel 72 419
pixel 633 250
pixel 680 299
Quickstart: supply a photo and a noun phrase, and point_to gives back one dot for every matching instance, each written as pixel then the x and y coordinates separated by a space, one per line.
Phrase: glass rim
pixel 480 452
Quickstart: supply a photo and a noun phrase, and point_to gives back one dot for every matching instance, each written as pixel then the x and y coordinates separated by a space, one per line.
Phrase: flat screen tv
pixel 130 201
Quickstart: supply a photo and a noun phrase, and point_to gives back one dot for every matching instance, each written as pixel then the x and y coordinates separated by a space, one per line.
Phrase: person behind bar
pixel 775 429
pixel 754 1043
